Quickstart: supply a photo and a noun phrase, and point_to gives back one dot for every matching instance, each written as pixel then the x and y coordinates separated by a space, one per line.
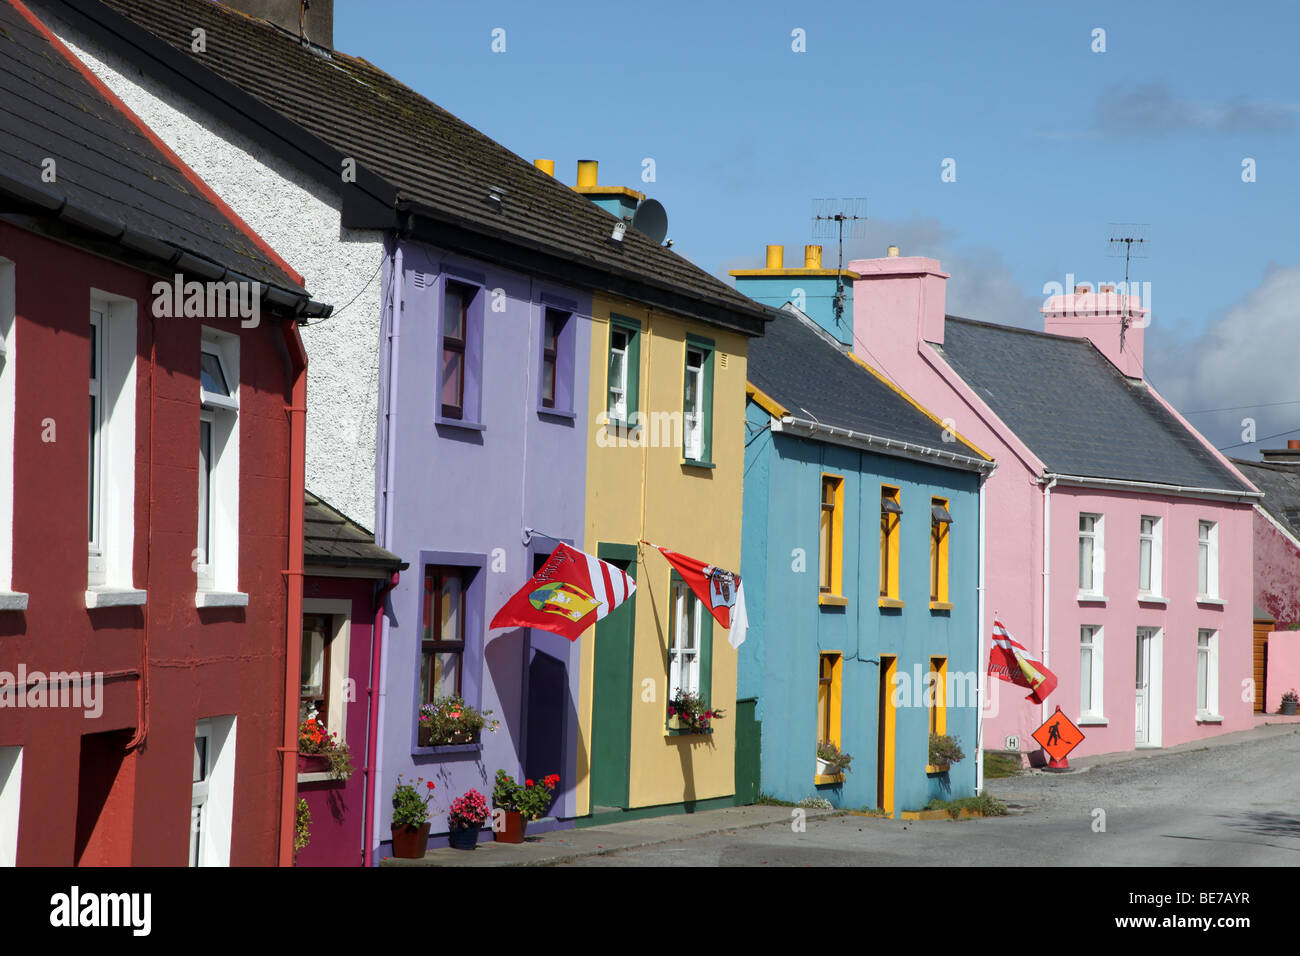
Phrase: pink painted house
pixel 1117 540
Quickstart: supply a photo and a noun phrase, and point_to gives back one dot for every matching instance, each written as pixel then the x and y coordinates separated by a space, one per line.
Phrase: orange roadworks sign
pixel 1058 735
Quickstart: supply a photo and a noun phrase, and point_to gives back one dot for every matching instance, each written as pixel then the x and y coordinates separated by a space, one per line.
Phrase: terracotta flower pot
pixel 410 843
pixel 515 829
pixel 313 763
pixel 464 838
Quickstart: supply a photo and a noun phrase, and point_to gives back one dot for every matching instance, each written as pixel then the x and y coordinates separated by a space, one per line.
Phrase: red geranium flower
pixel 528 782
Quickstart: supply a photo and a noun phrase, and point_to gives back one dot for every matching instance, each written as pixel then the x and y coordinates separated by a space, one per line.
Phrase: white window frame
pixel 1209 653
pixel 11 786
pixel 110 555
pixel 693 418
pixel 218 570
pixel 212 799
pixel 10 600
pixel 618 410
pixel 1097 536
pixel 338 648
pixel 1155 542
pixel 1091 641
pixel 683 664
pixel 1207 558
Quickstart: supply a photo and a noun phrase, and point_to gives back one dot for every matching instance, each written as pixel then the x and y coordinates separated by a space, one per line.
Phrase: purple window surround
pixel 566 347
pixel 472 402
pixel 474 568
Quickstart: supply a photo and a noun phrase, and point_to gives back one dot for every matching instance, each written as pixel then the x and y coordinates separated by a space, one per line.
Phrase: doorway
pixel 611 692
pixel 1147 687
pixel 885 725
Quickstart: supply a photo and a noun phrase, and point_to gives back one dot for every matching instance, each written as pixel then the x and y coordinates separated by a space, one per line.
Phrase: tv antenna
pixel 1127 239
pixel 831 218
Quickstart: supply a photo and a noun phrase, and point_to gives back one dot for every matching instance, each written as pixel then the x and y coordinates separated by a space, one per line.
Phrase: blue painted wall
pixel 778 662
pixel 814 295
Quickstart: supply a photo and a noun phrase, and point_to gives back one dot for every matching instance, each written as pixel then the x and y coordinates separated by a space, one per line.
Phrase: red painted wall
pixel 201 663
pixel 337 808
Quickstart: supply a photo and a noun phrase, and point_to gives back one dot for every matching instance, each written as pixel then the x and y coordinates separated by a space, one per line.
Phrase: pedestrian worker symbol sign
pixel 1058 735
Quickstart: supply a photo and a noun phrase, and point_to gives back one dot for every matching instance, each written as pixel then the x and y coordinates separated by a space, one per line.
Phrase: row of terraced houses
pixel 411 363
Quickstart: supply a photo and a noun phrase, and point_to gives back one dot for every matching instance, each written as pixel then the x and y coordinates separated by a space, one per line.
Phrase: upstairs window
pixel 8 391
pixel 1207 546
pixel 455 327
pixel 697 401
pixel 891 518
pixel 830 562
pixel 1150 557
pixel 940 526
pixel 1090 555
pixel 558 357
pixel 623 373
pixel 217 541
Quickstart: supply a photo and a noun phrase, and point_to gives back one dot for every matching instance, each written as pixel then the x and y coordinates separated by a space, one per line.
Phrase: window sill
pixel 458 423
pixel 557 413
pixel 940 605
pixel 1209 718
pixel 686 732
pixel 1092 598
pixel 115 597
pixel 220 599
pixel 825 779
pixel 13 601
pixel 1153 599
pixel 891 602
pixel 1093 722
pixel 832 600
pixel 441 749
pixel 937 767
pixel 693 463
pixel 1211 601
pixel 323 777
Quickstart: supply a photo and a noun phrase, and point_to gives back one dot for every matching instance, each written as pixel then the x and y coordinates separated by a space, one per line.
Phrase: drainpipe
pixel 1047 579
pixel 293 578
pixel 981 680
pixel 372 722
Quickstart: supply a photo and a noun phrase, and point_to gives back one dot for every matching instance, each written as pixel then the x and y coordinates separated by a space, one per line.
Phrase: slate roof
pixel 1281 487
pixel 1074 409
pixel 332 539
pixel 111 182
pixel 809 373
pixel 432 162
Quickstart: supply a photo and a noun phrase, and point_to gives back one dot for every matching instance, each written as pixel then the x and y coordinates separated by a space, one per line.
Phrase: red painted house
pixel 142 681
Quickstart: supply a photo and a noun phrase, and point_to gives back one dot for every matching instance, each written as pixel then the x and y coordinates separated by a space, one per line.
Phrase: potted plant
pixel 689 713
pixel 301 828
pixel 466 817
pixel 519 804
pixel 831 761
pixel 944 751
pixel 411 818
pixel 1289 701
pixel 320 751
pixel 449 720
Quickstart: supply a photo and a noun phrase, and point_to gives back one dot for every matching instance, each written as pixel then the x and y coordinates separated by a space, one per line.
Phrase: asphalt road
pixel 1229 805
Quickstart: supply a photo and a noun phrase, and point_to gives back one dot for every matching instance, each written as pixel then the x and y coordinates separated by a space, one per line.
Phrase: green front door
pixel 611 698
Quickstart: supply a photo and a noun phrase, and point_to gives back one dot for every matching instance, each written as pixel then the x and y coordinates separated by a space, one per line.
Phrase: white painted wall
pixel 301 221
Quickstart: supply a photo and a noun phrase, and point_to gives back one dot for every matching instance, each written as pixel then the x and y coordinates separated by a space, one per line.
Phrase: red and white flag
pixel 568 594
pixel 1009 661
pixel 720 591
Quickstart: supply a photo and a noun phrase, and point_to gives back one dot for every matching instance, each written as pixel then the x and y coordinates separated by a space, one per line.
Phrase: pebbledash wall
pixel 898 310
pixel 461 494
pixel 84 798
pixel 300 219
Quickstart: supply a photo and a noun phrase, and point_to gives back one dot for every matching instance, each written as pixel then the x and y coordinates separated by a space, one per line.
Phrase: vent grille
pixel 722 359
pixel 420 279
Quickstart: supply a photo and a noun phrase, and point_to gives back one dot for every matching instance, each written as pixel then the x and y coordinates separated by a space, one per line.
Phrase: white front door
pixel 1143 694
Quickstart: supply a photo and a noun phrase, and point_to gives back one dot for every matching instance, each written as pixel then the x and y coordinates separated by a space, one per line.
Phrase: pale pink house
pixel 1117 540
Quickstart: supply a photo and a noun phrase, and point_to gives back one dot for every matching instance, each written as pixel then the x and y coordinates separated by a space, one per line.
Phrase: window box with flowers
pixel 466 817
pixel 516 805
pixel 450 722
pixel 689 714
pixel 320 751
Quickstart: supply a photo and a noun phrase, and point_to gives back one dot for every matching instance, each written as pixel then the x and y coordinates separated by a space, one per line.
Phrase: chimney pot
pixel 1293 443
pixel 1108 289
pixel 775 257
pixel 545 165
pixel 892 252
pixel 1082 289
pixel 587 172
pixel 812 257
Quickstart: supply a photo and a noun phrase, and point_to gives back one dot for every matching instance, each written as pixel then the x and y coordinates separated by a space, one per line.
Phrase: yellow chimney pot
pixel 775 257
pixel 587 172
pixel 893 252
pixel 546 165
pixel 812 257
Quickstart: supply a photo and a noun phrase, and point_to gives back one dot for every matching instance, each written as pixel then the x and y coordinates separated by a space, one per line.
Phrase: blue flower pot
pixel 464 839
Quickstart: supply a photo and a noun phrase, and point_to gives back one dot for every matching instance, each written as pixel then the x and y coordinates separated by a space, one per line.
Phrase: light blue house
pixel 861 562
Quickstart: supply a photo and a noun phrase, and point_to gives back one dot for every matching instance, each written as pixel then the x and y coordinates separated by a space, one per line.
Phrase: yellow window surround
pixel 936 698
pixel 940 531
pixel 831 542
pixel 891 515
pixel 830 684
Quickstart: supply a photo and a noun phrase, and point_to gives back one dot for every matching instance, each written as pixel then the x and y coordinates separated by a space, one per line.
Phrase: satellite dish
pixel 651 220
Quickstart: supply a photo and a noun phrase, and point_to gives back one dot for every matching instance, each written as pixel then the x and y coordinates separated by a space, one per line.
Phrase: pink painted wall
pixel 1283 667
pixel 1277 573
pixel 898 306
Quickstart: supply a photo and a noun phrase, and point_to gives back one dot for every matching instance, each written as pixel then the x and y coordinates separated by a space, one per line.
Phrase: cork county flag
pixel 568 594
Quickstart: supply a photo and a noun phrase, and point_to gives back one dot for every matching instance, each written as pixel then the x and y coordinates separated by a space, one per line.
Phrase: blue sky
pixel 1052 143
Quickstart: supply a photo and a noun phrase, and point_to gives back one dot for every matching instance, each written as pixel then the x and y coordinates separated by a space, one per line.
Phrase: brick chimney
pixel 310 20
pixel 899 299
pixel 1101 317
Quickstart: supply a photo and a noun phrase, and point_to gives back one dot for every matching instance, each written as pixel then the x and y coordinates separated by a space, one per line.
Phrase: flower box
pixel 313 763
pixel 426 738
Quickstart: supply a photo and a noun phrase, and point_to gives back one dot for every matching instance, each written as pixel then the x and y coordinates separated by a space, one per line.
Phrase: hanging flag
pixel 720 591
pixel 568 594
pixel 1009 661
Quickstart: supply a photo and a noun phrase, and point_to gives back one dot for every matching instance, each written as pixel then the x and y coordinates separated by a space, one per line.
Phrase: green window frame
pixel 631 329
pixel 703 375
